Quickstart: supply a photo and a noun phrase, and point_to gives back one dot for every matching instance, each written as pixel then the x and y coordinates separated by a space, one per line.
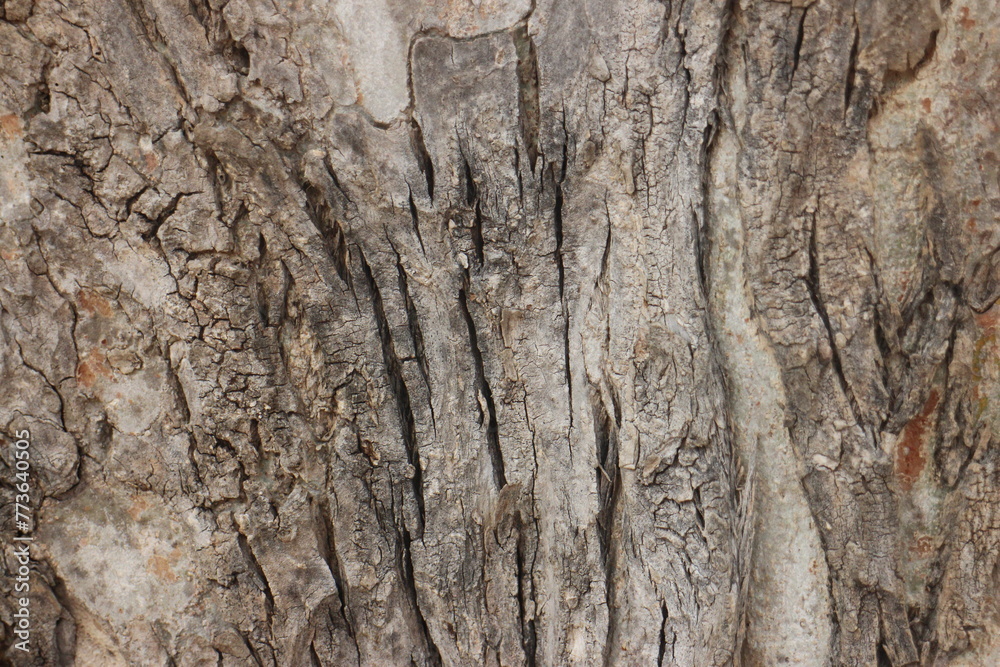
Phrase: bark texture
pixel 504 332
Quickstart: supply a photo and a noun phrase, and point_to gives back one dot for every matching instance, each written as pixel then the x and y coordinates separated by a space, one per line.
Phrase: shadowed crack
pixel 394 370
pixel 527 79
pixel 492 434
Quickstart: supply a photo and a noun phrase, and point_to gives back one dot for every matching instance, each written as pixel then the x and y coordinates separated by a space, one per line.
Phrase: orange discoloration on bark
pixel 161 567
pixel 923 546
pixel 910 459
pixel 965 21
pixel 138 506
pixel 10 125
pixel 94 303
pixel 91 368
pixel 988 321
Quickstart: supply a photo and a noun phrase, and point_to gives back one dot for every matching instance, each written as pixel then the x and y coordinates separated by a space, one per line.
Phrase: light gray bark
pixel 521 332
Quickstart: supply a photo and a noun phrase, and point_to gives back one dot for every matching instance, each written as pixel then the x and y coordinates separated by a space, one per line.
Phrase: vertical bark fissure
pixel 415 218
pixel 606 459
pixel 258 571
pixel 529 639
pixel 178 388
pixel 679 32
pixel 527 78
pixel 416 335
pixel 561 269
pixel 422 156
pixel 601 282
pixel 519 176
pixel 331 172
pixel 394 372
pixel 816 297
pixel 492 431
pixel 321 215
pixel 328 548
pixel 949 356
pixel 417 143
pixel 611 567
pixel 797 47
pixel 700 219
pixel 609 484
pixel 406 568
pixel 313 656
pixel 477 234
pixel 662 649
pixel 472 200
pixel 852 69
pixel 881 340
pixel 529 577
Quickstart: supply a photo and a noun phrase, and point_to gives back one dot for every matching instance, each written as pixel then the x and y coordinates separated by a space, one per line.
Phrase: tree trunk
pixel 507 332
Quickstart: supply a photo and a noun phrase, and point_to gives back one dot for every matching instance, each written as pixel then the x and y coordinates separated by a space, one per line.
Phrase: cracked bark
pixel 516 333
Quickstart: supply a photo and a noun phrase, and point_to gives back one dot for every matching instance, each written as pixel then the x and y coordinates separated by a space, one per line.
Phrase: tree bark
pixel 520 332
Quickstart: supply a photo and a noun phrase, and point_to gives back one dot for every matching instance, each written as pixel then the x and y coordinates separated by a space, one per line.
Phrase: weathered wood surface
pixel 526 332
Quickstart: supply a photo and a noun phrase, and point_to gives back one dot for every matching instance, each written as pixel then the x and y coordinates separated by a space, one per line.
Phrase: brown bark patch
pixel 161 566
pixel 988 321
pixel 910 459
pixel 138 507
pixel 94 303
pixel 964 19
pixel 10 125
pixel 924 546
pixel 91 368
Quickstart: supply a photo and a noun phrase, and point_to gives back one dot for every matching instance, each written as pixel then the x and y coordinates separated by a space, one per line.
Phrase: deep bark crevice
pixel 816 297
pixel 529 638
pixel 406 570
pixel 527 77
pixel 325 221
pixel 394 371
pixel 328 549
pixel 852 70
pixel 492 429
pixel 415 218
pixel 416 334
pixel 797 47
pixel 561 270
pixel 258 572
pixel 662 649
pixel 423 157
pixel 609 484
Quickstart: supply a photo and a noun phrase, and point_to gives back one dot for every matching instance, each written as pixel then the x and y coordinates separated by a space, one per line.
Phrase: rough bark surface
pixel 512 332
